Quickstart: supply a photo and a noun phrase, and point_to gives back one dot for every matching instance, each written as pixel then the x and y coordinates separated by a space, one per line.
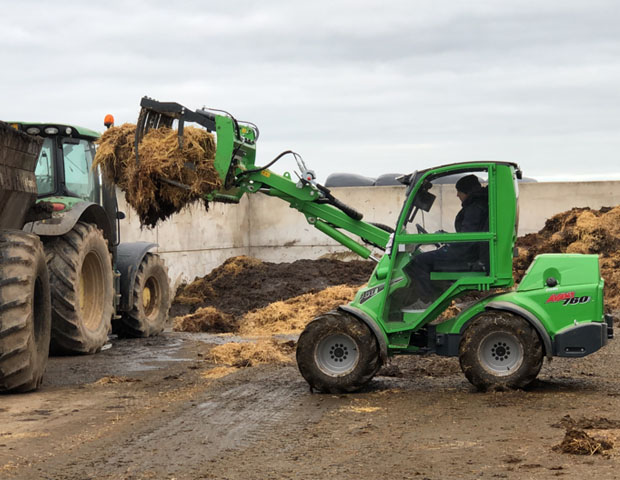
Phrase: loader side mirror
pixel 424 200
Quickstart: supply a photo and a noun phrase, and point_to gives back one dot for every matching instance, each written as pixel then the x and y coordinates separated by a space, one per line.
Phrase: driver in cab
pixel 473 217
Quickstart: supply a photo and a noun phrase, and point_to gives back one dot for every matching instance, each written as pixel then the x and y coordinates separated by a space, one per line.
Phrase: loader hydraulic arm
pixel 235 163
pixel 312 200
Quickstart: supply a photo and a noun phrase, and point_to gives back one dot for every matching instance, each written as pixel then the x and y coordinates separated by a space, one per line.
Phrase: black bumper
pixel 583 339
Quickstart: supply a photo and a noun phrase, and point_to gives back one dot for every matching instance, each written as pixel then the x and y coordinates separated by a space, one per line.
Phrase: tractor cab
pixel 64 169
pixel 67 181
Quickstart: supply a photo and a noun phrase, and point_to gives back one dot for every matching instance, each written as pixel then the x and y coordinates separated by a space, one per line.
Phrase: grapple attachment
pixel 154 114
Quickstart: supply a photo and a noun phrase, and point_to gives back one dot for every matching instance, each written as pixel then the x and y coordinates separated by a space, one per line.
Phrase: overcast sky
pixel 369 87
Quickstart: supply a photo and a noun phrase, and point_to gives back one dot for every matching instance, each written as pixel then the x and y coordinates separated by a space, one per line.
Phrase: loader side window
pixel 44 171
pixel 439 209
pixel 79 176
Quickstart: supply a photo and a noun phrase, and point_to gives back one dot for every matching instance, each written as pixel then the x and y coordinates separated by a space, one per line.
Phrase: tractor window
pixel 45 169
pixel 79 177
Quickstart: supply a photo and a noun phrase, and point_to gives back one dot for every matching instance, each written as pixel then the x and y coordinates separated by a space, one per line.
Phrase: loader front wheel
pixel 337 353
pixel 25 311
pixel 82 290
pixel 150 301
pixel 500 350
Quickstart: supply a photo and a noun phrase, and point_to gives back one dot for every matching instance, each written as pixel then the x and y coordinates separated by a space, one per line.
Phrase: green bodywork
pixel 579 289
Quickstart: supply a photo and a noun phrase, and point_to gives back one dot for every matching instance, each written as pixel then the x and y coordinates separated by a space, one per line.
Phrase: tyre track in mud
pixel 181 439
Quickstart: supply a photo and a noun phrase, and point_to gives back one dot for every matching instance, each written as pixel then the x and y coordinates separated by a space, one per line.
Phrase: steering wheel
pixel 421 229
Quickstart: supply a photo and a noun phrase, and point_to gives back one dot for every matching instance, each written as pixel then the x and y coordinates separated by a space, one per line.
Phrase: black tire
pixel 82 283
pixel 337 353
pixel 25 311
pixel 150 301
pixel 500 350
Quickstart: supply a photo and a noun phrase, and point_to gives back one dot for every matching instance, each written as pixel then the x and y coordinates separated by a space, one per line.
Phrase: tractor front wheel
pixel 500 350
pixel 82 284
pixel 337 353
pixel 150 301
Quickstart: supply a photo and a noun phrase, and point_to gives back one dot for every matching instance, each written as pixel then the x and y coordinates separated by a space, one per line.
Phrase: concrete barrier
pixel 195 241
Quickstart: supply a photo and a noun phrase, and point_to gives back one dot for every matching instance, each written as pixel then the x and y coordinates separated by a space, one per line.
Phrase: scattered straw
pixel 250 354
pixel 218 372
pixel 114 379
pixel 578 442
pixel 360 409
pixel 292 315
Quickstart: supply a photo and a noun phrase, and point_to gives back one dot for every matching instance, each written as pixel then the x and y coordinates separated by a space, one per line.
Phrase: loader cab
pixel 446 243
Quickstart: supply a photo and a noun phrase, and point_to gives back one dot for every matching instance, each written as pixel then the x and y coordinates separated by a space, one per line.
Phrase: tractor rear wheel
pixel 500 350
pixel 337 353
pixel 25 311
pixel 150 301
pixel 82 290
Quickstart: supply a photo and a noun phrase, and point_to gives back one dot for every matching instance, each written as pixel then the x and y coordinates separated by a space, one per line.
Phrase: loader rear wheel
pixel 25 311
pixel 82 290
pixel 150 300
pixel 337 353
pixel 500 350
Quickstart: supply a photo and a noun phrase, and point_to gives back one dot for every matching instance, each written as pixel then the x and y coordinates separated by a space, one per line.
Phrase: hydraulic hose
pixel 351 212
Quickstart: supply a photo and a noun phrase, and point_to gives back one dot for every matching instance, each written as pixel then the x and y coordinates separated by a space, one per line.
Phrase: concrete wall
pixel 194 242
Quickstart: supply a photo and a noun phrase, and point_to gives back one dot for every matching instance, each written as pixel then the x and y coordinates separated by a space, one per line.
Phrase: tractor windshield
pixel 80 179
pixel 45 172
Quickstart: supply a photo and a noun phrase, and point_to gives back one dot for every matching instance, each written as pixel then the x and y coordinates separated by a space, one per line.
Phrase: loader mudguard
pixel 374 328
pixel 530 317
pixel 63 222
pixel 128 259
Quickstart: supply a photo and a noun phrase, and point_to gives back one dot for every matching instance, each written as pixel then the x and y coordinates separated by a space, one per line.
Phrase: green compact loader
pixel 502 333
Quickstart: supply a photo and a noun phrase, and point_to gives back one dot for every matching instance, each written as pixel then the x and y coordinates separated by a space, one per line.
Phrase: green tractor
pixel 501 336
pixel 97 283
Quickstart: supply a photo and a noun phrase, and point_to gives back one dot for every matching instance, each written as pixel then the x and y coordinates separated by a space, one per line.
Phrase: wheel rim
pixel 337 355
pixel 151 295
pixel 500 353
pixel 90 291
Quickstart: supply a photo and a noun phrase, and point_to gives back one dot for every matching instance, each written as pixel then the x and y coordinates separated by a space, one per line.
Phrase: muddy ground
pixel 218 406
pixel 154 409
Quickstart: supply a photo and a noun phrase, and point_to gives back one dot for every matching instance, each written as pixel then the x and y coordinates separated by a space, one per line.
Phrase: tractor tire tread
pixel 25 311
pixel 65 259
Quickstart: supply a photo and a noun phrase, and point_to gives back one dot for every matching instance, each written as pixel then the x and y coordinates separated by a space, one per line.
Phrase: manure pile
pixel 252 297
pixel 580 230
pixel 160 158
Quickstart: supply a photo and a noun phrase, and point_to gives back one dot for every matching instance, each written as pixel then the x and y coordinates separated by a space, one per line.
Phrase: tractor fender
pixel 530 317
pixel 374 328
pixel 64 221
pixel 128 259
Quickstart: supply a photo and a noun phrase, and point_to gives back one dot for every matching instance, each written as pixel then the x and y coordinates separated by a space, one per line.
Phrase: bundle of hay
pixel 160 158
